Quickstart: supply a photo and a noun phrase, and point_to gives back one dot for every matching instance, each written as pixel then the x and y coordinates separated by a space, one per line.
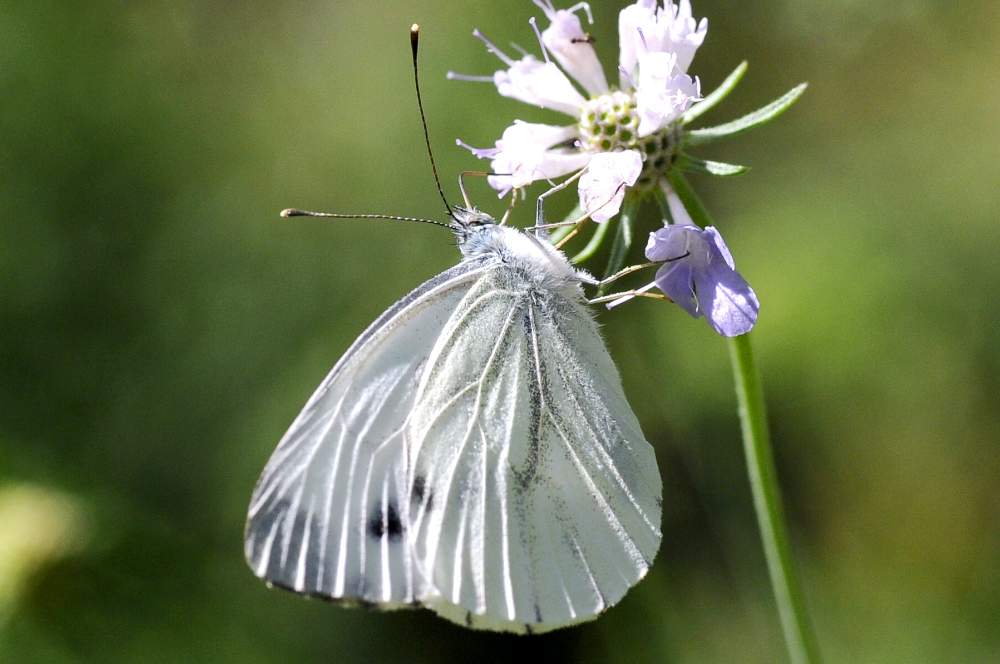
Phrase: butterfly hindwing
pixel 541 496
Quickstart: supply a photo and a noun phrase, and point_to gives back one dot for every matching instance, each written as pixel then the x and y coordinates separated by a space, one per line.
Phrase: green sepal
pixel 661 199
pixel 717 95
pixel 574 214
pixel 686 162
pixel 596 240
pixel 558 234
pixel 623 238
pixel 747 122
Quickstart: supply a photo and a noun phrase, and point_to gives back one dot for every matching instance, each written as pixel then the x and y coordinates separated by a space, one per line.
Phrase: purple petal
pixel 720 244
pixel 677 283
pixel 699 275
pixel 727 300
pixel 670 242
pixel 481 153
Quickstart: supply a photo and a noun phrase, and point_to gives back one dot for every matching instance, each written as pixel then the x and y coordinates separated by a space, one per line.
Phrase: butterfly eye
pixel 480 220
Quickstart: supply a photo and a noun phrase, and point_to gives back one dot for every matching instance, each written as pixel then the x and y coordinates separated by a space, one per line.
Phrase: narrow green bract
pixel 747 122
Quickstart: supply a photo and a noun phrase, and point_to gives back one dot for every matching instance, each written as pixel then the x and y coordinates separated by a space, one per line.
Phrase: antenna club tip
pixel 414 39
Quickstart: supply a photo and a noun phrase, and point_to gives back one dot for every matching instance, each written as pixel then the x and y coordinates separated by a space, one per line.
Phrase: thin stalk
pixel 800 639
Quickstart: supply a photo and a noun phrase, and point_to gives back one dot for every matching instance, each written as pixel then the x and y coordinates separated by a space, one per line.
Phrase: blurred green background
pixel 161 326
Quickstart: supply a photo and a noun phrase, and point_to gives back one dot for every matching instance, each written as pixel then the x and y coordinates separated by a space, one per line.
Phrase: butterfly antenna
pixel 294 212
pixel 414 43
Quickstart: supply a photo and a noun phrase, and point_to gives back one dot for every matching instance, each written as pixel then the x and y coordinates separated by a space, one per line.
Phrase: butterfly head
pixel 470 222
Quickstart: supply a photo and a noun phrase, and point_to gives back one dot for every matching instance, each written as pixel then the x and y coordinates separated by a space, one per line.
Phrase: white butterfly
pixel 472 452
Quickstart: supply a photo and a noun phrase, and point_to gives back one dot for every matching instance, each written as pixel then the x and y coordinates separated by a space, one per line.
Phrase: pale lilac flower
pixel 657 44
pixel 698 273
pixel 663 93
pixel 646 28
pixel 525 152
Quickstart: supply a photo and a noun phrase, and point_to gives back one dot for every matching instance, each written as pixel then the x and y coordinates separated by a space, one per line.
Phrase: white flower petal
pixel 567 42
pixel 631 23
pixel 543 136
pixel 523 155
pixel 646 28
pixel 481 153
pixel 602 186
pixel 686 34
pixel 664 92
pixel 680 215
pixel 541 84
pixel 544 165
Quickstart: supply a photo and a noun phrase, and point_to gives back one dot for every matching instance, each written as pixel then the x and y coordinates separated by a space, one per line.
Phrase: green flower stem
pixel 799 637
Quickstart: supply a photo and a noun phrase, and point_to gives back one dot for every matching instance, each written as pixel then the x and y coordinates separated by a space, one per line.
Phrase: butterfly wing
pixel 328 516
pixel 540 497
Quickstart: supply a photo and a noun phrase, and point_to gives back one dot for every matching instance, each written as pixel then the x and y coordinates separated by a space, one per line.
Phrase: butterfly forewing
pixel 328 514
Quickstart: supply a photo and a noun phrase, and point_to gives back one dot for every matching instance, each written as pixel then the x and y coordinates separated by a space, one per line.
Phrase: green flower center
pixel 610 122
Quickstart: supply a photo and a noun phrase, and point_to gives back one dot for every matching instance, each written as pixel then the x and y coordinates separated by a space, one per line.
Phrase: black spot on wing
pixel 385 521
pixel 421 493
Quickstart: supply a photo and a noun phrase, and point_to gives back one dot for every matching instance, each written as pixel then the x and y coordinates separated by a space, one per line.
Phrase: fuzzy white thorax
pixel 535 256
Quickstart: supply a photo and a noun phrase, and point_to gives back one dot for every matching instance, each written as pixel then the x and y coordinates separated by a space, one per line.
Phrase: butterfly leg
pixel 575 225
pixel 623 273
pixel 548 227
pixel 576 228
pixel 540 203
pixel 510 208
pixel 540 210
pixel 615 299
pixel 628 295
pixel 479 174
